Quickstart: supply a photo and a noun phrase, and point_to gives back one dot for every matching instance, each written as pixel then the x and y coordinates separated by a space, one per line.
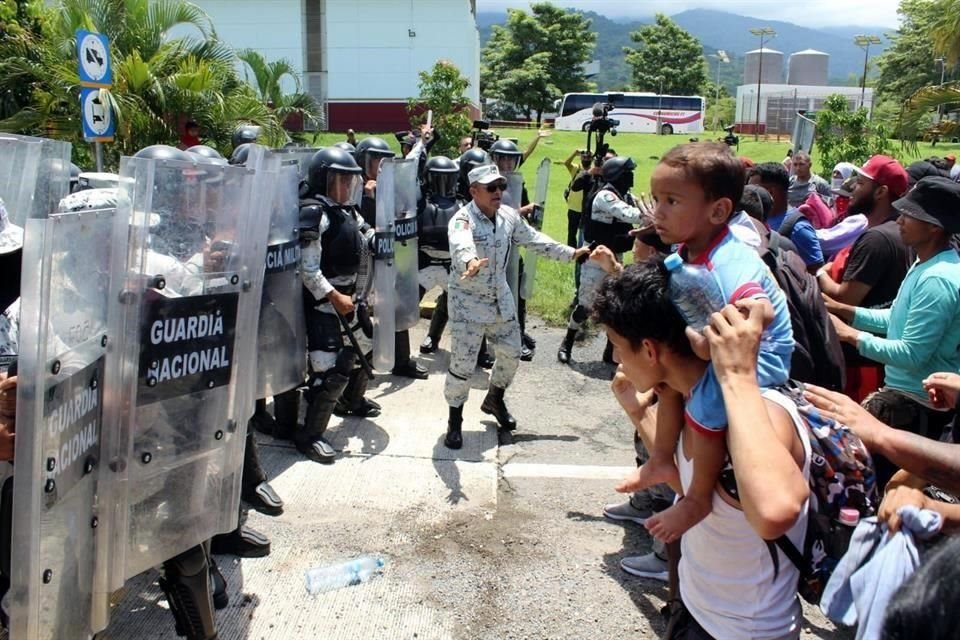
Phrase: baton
pixel 353 343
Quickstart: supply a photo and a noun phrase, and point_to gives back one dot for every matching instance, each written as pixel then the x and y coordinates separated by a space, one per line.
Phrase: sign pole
pixel 98 147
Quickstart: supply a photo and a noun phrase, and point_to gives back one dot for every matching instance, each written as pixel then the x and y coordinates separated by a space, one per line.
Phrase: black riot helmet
pixel 618 171
pixel 239 155
pixel 163 152
pixel 334 174
pixel 205 151
pixel 505 154
pixel 245 133
pixel 346 146
pixel 470 160
pixel 370 152
pixel 441 174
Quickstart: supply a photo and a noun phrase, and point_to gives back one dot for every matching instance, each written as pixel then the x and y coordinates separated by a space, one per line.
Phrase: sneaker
pixel 625 511
pixel 648 566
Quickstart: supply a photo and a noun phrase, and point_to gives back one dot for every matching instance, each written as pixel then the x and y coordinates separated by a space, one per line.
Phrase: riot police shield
pixel 281 337
pixel 512 198
pixel 57 500
pixel 528 279
pixel 300 156
pixel 405 243
pixel 185 294
pixel 34 175
pixel 383 296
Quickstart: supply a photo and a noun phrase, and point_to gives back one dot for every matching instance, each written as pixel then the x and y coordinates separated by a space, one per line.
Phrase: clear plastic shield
pixel 281 337
pixel 804 133
pixel 529 277
pixel 299 155
pixel 405 243
pixel 34 175
pixel 57 500
pixel 185 293
pixel 512 198
pixel 383 296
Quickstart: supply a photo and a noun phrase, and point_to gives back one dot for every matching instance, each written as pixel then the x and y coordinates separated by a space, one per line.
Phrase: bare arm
pixel 761 438
pixel 849 293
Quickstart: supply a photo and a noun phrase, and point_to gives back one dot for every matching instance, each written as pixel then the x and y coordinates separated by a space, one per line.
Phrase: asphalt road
pixel 492 542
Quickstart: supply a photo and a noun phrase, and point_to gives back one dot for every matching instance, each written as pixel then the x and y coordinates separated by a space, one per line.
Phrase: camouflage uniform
pixel 483 305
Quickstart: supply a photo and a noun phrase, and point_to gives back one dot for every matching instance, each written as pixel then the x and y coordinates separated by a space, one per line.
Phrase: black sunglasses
pixel 493 187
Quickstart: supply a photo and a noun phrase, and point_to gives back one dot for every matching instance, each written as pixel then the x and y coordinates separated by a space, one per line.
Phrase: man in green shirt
pixel 922 328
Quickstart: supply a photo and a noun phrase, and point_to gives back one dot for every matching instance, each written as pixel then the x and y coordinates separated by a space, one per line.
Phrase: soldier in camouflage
pixel 481 236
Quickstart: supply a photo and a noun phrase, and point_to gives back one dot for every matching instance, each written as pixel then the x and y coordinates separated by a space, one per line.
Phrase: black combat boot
pixel 262 421
pixel 566 347
pixel 286 406
pixel 527 344
pixel 493 405
pixel 322 394
pixel 454 438
pixel 438 321
pixel 403 365
pixel 255 490
pixel 352 402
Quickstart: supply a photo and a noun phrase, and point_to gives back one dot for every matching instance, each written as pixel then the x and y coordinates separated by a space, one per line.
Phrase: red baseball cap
pixel 886 172
pixel 950 157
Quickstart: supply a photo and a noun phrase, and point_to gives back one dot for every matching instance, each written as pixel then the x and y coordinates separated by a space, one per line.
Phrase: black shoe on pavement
pixel 264 499
pixel 367 409
pixel 454 437
pixel 429 345
pixel 410 369
pixel 494 405
pixel 243 541
pixel 319 451
pixel 218 587
pixel 526 354
pixel 528 341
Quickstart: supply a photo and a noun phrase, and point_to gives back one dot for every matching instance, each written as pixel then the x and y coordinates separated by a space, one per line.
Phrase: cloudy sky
pixel 813 13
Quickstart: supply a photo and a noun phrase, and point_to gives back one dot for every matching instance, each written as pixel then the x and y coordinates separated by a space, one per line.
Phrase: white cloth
pixel 726 571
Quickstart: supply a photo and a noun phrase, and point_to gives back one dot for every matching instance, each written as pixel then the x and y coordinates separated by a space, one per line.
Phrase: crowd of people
pixel 840 315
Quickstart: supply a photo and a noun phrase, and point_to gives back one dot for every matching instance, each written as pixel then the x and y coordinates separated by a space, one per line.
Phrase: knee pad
pixel 580 314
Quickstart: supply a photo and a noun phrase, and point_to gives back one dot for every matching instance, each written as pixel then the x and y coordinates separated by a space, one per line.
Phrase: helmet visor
pixel 442 184
pixel 344 188
pixel 506 163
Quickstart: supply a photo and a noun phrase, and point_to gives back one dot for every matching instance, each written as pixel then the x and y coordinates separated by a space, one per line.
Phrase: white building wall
pixel 272 27
pixel 376 48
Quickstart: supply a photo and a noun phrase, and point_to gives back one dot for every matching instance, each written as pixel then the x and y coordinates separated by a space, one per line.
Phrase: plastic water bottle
pixel 343 574
pixel 694 291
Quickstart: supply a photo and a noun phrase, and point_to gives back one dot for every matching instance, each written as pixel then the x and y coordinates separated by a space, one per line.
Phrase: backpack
pixel 786 229
pixel 817 355
pixel 842 475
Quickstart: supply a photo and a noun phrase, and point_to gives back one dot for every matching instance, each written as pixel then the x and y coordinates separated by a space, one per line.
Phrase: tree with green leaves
pixel 536 57
pixel 268 79
pixel 847 136
pixel 158 79
pixel 666 53
pixel 944 32
pixel 443 90
pixel 908 64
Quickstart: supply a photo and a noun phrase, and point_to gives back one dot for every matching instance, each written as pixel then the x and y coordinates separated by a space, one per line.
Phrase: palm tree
pixel 945 97
pixel 158 79
pixel 268 79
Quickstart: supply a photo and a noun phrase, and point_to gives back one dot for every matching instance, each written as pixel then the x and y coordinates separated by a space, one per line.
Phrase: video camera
pixel 482 136
pixel 601 124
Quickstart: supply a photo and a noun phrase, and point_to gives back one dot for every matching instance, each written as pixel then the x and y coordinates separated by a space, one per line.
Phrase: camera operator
pixel 579 179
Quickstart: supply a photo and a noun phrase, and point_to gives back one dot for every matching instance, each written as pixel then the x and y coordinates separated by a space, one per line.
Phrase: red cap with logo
pixel 886 172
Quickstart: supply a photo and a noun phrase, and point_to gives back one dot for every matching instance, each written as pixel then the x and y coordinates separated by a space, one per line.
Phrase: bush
pixel 847 136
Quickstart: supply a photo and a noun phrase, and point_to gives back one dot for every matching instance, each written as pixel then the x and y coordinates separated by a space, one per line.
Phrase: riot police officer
pixel 331 233
pixel 436 209
pixel 244 134
pixel 508 158
pixel 370 153
pixel 608 221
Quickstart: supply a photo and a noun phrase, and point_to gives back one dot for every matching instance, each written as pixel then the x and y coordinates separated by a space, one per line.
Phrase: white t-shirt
pixel 726 571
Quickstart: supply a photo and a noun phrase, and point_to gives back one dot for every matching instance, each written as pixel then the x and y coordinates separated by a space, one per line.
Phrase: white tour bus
pixel 635 111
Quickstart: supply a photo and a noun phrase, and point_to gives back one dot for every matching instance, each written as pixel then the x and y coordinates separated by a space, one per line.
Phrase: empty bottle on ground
pixel 343 574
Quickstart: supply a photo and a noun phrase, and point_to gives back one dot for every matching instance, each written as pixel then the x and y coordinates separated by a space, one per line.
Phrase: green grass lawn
pixel 554 289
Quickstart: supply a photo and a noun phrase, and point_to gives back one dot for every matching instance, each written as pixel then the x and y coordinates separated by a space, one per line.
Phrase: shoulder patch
pixel 607 196
pixel 461 224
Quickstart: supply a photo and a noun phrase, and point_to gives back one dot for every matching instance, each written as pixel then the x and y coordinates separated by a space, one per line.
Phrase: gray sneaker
pixel 648 566
pixel 626 511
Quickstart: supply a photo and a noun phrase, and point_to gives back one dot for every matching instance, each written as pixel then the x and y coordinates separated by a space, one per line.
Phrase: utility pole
pixel 864 42
pixel 943 73
pixel 721 57
pixel 762 32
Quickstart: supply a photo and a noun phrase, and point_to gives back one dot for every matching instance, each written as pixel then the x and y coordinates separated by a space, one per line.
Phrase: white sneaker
pixel 626 511
pixel 648 566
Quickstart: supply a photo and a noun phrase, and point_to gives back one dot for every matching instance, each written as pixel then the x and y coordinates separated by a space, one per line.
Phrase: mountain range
pixel 722 30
